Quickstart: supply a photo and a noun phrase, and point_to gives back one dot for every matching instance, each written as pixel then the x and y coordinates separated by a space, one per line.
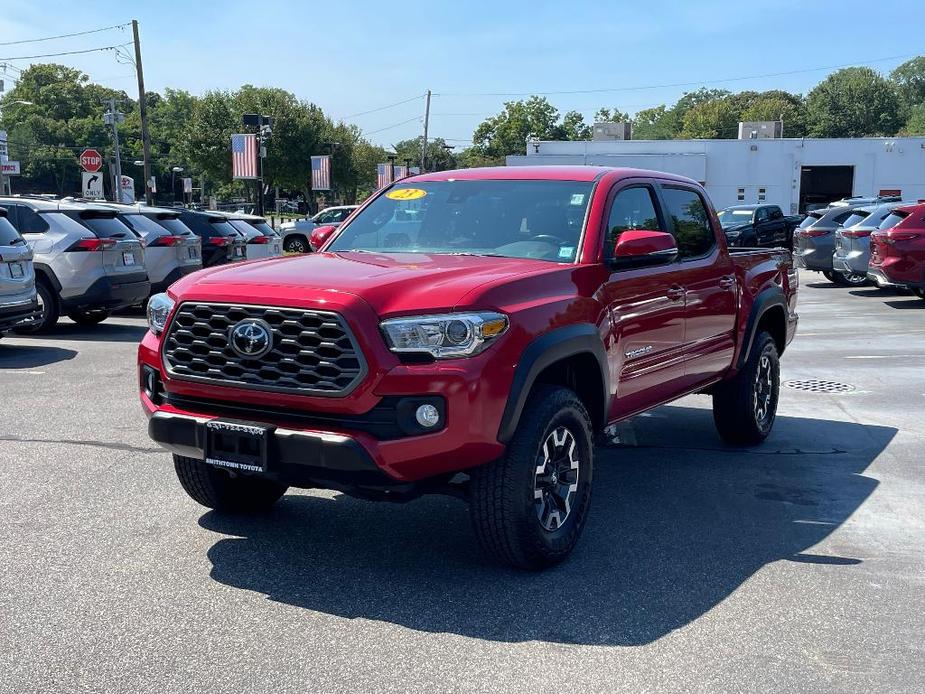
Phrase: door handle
pixel 676 292
pixel 726 282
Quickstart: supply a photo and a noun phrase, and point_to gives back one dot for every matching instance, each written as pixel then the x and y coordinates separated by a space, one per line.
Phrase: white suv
pixel 87 262
pixel 18 303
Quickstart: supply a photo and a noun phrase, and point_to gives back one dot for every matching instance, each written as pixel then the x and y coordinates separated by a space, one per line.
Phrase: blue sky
pixel 349 57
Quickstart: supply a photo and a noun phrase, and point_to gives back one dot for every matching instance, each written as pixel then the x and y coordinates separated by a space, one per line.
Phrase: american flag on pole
pixel 244 156
pixel 401 172
pixel 383 175
pixel 321 172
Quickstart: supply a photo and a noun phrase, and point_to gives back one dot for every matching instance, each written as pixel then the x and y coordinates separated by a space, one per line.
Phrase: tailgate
pixel 17 277
pixel 125 257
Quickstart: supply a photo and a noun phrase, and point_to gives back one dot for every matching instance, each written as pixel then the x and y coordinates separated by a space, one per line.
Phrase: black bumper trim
pixel 13 316
pixel 111 292
pixel 289 451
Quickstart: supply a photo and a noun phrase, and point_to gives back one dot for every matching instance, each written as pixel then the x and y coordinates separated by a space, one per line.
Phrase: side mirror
pixel 319 236
pixel 637 247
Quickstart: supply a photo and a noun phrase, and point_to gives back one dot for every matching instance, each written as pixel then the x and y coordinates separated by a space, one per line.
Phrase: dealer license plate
pixel 236 446
pixel 128 258
pixel 16 271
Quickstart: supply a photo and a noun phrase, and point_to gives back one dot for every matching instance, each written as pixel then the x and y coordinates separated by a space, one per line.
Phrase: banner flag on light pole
pixel 321 172
pixel 244 156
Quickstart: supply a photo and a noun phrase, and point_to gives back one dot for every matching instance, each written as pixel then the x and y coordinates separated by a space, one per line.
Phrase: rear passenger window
pixel 30 222
pixel 632 208
pixel 692 229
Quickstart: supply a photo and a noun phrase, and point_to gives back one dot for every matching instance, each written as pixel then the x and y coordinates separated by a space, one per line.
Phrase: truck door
pixel 706 272
pixel 763 231
pixel 646 307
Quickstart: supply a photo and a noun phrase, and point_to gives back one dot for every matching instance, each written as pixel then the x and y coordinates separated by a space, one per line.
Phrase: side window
pixel 340 215
pixel 692 229
pixel 776 213
pixel 31 222
pixel 632 208
pixel 761 215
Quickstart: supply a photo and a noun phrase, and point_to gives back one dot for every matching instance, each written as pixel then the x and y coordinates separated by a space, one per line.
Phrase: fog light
pixel 428 416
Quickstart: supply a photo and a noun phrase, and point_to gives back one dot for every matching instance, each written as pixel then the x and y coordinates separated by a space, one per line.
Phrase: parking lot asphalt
pixel 795 566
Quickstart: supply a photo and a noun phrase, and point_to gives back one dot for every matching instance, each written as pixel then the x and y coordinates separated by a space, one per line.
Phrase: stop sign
pixel 91 160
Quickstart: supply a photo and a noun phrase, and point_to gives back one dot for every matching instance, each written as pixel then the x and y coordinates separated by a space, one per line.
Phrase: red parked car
pixel 467 332
pixel 897 250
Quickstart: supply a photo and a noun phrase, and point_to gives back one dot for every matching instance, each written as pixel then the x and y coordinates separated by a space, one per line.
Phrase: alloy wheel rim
pixel 555 480
pixel 856 278
pixel 764 389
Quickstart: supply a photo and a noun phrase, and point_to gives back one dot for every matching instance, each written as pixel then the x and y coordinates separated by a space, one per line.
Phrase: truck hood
pixel 390 283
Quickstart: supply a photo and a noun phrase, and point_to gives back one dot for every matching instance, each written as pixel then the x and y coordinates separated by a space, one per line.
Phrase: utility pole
pixel 426 123
pixel 143 112
pixel 113 118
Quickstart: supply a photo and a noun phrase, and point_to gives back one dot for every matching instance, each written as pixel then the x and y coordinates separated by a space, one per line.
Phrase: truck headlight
pixel 444 336
pixel 159 308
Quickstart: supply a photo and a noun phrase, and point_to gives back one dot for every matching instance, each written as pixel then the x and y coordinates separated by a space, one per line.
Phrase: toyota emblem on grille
pixel 251 338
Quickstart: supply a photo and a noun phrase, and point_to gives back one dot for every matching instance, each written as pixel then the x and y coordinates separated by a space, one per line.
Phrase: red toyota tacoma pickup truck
pixel 467 332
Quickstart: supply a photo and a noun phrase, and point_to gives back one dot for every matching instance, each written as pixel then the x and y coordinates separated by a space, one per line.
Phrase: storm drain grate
pixel 814 385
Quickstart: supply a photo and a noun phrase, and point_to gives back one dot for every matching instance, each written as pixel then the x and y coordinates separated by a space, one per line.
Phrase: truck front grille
pixel 313 352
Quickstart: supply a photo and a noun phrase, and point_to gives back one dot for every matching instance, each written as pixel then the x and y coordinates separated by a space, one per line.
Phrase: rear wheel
pixel 850 279
pixel 48 308
pixel 919 292
pixel 225 491
pixel 295 244
pixel 830 275
pixel 89 316
pixel 529 507
pixel 744 408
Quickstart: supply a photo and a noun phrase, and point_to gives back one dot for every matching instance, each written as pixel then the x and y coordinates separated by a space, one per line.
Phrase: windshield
pixel 731 217
pixel 174 226
pixel 8 234
pixel 512 219
pixel 893 219
pixel 856 218
pixel 144 226
pixel 810 219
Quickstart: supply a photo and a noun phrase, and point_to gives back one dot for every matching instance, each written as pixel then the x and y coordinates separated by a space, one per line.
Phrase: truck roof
pixel 540 173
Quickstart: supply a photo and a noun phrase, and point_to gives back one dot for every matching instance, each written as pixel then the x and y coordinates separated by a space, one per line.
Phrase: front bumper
pixel 19 315
pixel 111 292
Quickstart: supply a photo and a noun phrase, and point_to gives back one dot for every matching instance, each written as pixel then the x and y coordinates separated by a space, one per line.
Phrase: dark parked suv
pixel 221 242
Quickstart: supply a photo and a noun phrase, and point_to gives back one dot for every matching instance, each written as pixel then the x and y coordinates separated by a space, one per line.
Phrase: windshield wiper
pixel 18 239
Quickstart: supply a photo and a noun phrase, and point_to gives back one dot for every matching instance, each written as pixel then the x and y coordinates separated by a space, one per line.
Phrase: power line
pixel 681 84
pixel 55 55
pixel 382 108
pixel 394 125
pixel 64 36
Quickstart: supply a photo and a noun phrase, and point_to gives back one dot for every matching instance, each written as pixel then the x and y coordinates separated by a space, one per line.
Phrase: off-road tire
pixel 87 318
pixel 504 509
pixel 296 244
pixel 50 311
pixel 736 410
pixel 221 490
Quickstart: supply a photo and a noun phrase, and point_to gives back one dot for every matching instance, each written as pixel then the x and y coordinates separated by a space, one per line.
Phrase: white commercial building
pixel 791 172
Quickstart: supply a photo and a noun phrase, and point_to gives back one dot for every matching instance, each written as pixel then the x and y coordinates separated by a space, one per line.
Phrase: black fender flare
pixel 767 298
pixel 543 351
pixel 43 270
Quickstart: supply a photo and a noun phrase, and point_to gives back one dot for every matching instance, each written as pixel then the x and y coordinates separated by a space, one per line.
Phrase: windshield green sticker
pixel 578 199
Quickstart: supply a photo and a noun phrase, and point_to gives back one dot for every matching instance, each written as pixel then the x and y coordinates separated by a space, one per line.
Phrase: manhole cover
pixel 814 385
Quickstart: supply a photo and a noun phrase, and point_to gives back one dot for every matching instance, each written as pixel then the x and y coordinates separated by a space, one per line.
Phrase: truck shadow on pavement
pixel 29 357
pixel 678 522
pixel 104 332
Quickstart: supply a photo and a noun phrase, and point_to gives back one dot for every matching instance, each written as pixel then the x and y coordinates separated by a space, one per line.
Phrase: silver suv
pixel 18 302
pixel 296 234
pixel 171 249
pixel 87 262
pixel 852 239
pixel 814 243
pixel 262 241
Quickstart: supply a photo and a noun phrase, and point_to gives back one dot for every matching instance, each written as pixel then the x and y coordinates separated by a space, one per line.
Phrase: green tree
pixel 916 123
pixel 614 115
pixel 507 132
pixel 715 119
pixel 574 127
pixel 909 80
pixel 439 158
pixel 777 108
pixel 657 123
pixel 853 102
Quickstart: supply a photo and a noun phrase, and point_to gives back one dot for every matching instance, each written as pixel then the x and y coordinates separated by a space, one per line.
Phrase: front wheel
pixel 225 491
pixel 295 244
pixel 529 507
pixel 850 279
pixel 89 316
pixel 744 407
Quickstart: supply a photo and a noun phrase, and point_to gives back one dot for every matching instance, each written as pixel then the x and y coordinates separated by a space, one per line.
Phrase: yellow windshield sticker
pixel 406 194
